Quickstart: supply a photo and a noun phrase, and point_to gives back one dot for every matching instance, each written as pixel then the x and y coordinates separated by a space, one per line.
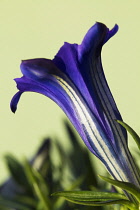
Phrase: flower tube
pixel 75 80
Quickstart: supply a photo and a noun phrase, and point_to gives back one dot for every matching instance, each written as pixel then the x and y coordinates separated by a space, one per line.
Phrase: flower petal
pixel 15 101
pixel 75 60
pixel 50 88
pixel 92 67
pixel 75 80
pixel 97 85
pixel 42 76
pixel 67 59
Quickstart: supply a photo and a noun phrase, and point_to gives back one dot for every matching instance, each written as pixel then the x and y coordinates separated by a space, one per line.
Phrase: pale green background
pixel 38 28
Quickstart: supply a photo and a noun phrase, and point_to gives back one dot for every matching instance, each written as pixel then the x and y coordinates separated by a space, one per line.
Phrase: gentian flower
pixel 75 80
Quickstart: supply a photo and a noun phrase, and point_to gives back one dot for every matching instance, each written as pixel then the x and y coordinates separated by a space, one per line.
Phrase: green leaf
pixel 90 198
pixel 90 195
pixel 34 179
pixel 16 170
pixel 131 188
pixel 59 202
pixel 126 203
pixel 132 132
pixel 42 182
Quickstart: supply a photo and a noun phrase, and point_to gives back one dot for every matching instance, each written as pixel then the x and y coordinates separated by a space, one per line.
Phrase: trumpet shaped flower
pixel 75 80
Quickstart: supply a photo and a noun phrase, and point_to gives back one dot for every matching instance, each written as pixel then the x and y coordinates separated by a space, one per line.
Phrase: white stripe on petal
pixel 96 137
pixel 104 93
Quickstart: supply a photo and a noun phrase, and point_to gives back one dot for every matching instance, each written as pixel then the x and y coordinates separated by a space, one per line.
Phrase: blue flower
pixel 75 80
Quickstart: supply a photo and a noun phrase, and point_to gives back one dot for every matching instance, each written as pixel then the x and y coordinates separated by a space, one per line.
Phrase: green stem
pixel 42 198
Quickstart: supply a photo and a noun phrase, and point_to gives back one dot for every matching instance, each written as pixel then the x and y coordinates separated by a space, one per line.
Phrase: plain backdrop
pixel 38 28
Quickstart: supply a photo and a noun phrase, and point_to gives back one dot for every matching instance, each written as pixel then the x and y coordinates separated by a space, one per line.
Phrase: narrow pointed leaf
pixel 16 170
pixel 126 203
pixel 132 132
pixel 31 174
pixel 89 195
pixel 75 184
pixel 131 188
pixel 42 183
